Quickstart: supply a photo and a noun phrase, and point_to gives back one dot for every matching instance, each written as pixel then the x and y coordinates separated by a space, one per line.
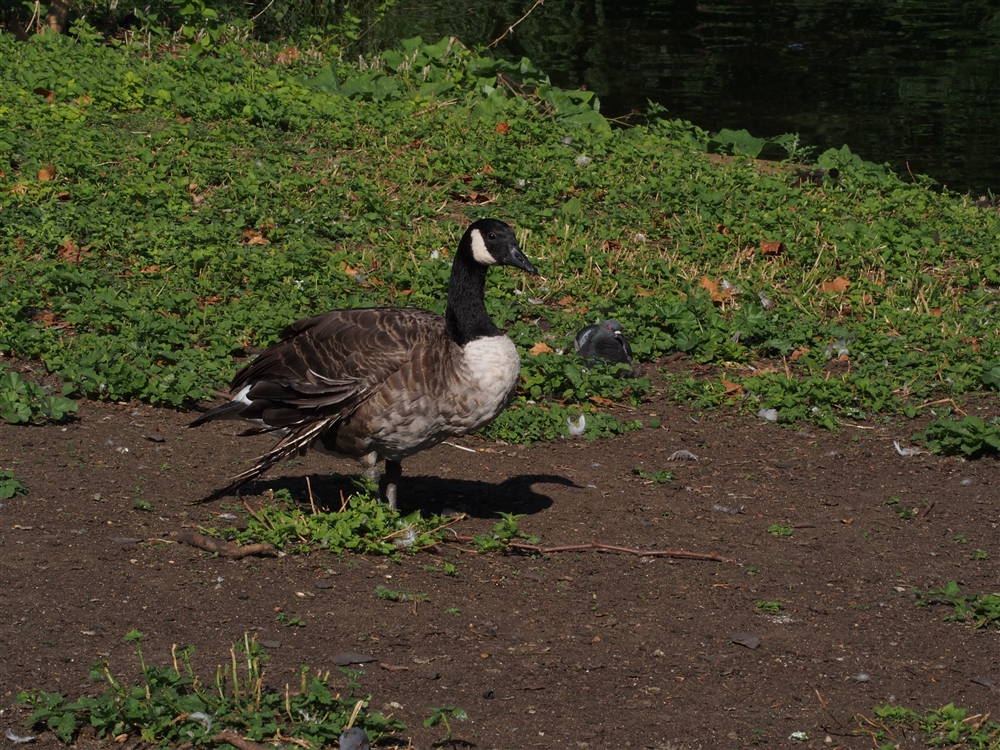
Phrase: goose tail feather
pixel 291 444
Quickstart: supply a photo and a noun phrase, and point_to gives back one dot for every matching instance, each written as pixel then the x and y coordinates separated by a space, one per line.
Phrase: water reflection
pixel 910 82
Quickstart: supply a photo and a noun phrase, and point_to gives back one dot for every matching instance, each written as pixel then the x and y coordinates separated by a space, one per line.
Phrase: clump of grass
pixel 172 705
pixel 981 610
pixel 948 726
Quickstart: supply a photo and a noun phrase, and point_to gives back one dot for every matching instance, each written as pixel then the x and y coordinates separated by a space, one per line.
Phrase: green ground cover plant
pixel 10 486
pixel 364 525
pixel 171 705
pixel 970 436
pixel 981 610
pixel 948 726
pixel 24 402
pixel 164 209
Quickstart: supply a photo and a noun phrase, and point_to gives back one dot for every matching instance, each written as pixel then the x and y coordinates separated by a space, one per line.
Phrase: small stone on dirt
pixel 745 639
pixel 271 644
pixel 351 657
pixel 985 681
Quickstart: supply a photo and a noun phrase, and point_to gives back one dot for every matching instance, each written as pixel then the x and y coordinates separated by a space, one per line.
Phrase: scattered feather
pixel 771 415
pixel 582 161
pixel 862 677
pixel 682 455
pixel 836 349
pixel 578 429
pixel 204 719
pixel 407 539
pixel 765 302
pixel 906 451
pixel 19 739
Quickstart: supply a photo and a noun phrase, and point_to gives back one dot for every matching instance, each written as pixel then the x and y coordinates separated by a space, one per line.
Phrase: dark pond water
pixel 906 82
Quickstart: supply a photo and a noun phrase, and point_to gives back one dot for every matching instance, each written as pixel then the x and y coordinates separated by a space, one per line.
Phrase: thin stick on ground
pixel 312 501
pixel 234 739
pixel 511 27
pixel 602 547
pixel 942 401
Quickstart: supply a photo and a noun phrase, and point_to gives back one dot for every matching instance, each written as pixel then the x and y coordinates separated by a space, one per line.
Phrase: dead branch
pixel 511 27
pixel 234 739
pixel 602 547
pixel 221 546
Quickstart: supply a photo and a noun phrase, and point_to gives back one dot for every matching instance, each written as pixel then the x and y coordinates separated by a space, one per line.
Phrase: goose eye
pixel 492 235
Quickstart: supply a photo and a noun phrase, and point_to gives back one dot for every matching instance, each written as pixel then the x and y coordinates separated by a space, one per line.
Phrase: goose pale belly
pixel 422 405
pixel 413 411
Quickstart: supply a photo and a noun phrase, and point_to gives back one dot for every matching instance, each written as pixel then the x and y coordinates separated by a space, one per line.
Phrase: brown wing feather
pixel 322 370
pixel 330 363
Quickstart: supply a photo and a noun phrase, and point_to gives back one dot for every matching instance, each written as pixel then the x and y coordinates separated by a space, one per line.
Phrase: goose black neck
pixel 466 316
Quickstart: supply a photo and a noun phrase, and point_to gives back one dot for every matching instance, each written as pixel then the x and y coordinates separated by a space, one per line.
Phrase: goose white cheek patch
pixel 479 251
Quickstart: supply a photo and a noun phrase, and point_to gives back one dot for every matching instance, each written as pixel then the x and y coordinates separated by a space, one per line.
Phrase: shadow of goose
pixel 434 494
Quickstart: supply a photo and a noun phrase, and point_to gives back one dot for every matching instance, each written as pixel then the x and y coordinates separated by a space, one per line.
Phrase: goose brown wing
pixel 326 365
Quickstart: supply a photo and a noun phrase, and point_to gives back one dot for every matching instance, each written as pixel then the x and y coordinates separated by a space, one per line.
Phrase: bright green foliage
pixel 970 436
pixel 943 727
pixel 163 211
pixel 172 706
pixel 387 594
pixel 22 401
pixel 659 477
pixel 778 529
pixel 10 486
pixel 503 533
pixel 365 526
pixel 769 607
pixel 980 610
pixel 441 715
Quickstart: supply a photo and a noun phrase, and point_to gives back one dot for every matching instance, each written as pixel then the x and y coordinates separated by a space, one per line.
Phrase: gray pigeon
pixel 605 341
pixel 354 738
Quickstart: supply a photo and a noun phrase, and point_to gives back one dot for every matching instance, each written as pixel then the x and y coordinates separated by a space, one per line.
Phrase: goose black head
pixel 604 341
pixel 354 738
pixel 493 243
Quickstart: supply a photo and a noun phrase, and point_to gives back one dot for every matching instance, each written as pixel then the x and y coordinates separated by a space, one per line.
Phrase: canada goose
pixel 385 383
pixel 604 341
pixel 354 738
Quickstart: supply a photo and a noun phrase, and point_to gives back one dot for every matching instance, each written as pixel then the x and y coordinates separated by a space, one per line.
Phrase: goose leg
pixel 369 467
pixel 393 473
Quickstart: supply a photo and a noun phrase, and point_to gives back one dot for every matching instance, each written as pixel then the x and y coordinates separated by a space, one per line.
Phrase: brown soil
pixel 570 650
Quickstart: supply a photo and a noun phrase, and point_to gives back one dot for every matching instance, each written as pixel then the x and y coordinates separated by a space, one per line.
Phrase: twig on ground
pixel 233 738
pixel 312 502
pixel 601 546
pixel 434 107
pixel 511 27
pixel 942 401
pixel 221 546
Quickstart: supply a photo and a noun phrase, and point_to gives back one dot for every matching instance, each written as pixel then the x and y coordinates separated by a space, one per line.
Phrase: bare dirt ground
pixel 570 650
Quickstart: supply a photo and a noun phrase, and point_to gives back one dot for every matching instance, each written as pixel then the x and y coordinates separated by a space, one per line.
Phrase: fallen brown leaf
pixel 839 284
pixel 799 352
pixel 733 389
pixel 772 248
pixel 540 348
